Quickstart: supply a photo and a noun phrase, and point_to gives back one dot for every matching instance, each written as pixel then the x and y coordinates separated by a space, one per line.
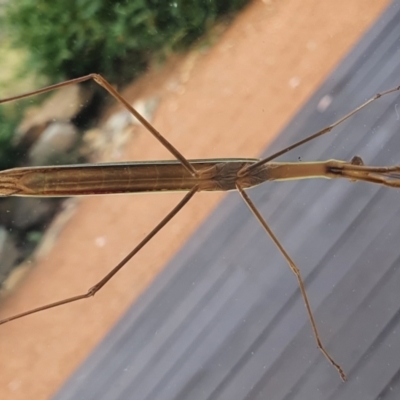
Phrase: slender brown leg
pixel 296 271
pixel 94 289
pixel 107 86
pixel 317 134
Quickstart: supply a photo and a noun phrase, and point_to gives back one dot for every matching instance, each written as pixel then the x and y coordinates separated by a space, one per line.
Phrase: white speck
pixel 294 82
pixel 100 241
pixel 324 103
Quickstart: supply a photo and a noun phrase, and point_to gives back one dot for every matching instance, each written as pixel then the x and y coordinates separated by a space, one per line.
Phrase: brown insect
pixel 191 176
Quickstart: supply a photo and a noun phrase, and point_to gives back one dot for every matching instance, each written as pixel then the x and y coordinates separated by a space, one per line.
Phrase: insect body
pixel 191 176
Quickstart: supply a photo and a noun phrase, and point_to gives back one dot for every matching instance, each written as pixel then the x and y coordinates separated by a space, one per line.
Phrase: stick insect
pixel 189 176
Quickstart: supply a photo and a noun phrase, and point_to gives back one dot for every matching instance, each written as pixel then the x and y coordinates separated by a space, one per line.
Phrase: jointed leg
pixel 296 271
pixel 107 86
pixel 319 133
pixel 94 289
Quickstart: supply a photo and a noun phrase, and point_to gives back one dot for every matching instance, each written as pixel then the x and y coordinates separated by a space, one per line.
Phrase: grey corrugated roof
pixel 229 322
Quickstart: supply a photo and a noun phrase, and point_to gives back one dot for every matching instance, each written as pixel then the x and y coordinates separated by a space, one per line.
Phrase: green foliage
pixel 114 38
pixel 9 155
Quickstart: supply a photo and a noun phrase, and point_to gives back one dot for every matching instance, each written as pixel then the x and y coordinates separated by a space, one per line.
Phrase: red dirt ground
pixel 230 100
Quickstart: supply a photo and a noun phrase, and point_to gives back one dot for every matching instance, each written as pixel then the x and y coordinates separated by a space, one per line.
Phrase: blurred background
pixel 221 318
pixel 44 43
